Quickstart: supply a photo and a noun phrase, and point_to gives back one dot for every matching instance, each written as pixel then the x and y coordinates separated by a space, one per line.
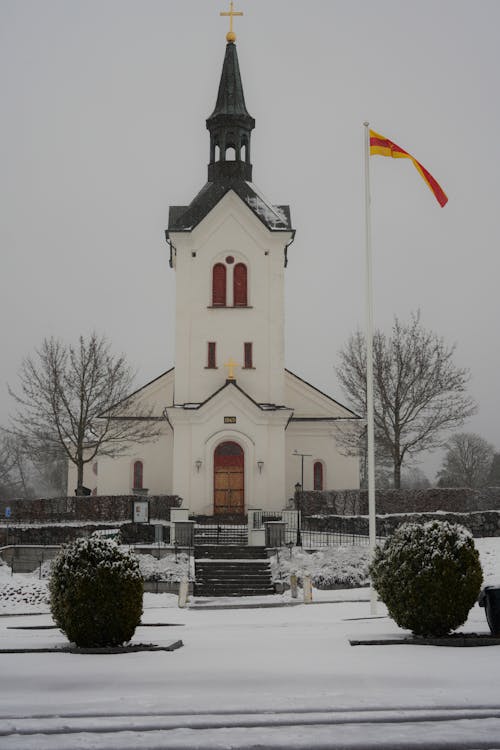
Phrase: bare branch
pixel 468 461
pixel 419 393
pixel 69 398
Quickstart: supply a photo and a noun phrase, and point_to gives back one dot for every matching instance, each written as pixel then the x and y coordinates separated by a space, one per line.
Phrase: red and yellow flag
pixel 384 147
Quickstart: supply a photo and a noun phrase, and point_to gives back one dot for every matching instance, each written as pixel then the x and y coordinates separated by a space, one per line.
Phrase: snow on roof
pixel 272 215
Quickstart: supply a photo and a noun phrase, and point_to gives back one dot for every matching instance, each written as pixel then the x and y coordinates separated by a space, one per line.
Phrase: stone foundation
pixel 479 523
pixel 101 508
pixel 355 502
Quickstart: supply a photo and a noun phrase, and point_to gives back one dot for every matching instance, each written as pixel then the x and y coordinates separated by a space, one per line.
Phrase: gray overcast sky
pixel 103 106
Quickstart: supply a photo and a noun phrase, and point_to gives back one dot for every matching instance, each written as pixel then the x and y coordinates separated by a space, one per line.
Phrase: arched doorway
pixel 229 478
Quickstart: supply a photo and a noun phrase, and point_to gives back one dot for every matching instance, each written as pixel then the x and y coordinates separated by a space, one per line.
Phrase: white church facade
pixel 235 420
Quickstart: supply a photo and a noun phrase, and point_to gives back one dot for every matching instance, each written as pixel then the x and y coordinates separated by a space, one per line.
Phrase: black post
pixel 298 489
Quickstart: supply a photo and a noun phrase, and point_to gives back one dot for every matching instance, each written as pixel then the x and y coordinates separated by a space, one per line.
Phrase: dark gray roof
pixel 230 98
pixel 186 218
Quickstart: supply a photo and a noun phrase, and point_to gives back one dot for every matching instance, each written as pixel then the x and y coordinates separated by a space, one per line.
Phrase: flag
pixel 384 147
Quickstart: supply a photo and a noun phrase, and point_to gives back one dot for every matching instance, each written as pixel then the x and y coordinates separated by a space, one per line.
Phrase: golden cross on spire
pixel 231 365
pixel 231 36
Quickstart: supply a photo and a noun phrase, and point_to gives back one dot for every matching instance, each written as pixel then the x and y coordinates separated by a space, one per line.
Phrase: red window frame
pixel 211 355
pixel 318 475
pixel 219 276
pixel 138 475
pixel 248 355
pixel 240 294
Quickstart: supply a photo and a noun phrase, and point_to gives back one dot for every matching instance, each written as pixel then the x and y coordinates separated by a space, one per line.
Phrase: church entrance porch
pixel 229 478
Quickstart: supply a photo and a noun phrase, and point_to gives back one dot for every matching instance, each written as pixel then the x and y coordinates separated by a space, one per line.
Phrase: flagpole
pixel 369 363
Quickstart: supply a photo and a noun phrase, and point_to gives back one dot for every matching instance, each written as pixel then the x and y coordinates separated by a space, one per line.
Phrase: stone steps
pixel 232 571
pixel 229 552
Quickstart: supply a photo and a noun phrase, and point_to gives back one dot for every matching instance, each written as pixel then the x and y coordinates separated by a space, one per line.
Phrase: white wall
pixel 318 439
pixel 231 228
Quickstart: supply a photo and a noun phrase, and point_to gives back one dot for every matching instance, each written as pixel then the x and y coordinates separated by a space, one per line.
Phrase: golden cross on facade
pixel 231 36
pixel 231 365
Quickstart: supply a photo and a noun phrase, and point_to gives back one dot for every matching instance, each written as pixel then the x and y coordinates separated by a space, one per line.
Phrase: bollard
pixel 307 586
pixel 293 586
pixel 183 593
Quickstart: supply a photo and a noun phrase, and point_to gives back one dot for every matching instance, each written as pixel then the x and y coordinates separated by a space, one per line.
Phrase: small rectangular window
pixel 211 362
pixel 248 355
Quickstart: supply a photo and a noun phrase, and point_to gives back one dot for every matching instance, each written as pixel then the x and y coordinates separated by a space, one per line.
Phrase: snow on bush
pixel 429 576
pixel 96 592
pixel 21 594
pixel 167 568
pixel 329 568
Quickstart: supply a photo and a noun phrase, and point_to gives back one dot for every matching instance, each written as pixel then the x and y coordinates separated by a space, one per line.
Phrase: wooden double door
pixel 229 478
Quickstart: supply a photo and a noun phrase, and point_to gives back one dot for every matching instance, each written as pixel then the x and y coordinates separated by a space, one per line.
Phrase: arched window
pixel 318 475
pixel 138 475
pixel 219 285
pixel 240 285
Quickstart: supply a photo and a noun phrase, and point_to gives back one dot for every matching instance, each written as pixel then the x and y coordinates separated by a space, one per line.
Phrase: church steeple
pixel 230 125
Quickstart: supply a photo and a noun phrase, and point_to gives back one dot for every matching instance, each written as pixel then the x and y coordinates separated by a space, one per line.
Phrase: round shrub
pixel 96 593
pixel 429 576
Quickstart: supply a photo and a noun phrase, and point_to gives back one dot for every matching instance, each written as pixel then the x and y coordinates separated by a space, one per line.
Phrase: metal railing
pixel 312 539
pixel 220 534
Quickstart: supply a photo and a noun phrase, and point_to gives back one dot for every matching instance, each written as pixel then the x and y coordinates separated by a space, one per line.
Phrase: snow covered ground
pixel 280 677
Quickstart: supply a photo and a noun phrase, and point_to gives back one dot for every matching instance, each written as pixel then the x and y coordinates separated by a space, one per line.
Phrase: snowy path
pixel 247 678
pixel 278 677
pixel 452 728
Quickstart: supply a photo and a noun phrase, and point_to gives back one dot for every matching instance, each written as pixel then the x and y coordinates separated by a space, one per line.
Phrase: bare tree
pixel 418 392
pixel 15 476
pixel 74 400
pixel 414 478
pixel 494 475
pixel 467 462
pixel 6 465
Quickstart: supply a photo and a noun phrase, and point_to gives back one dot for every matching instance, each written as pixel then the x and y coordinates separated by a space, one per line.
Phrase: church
pixel 239 430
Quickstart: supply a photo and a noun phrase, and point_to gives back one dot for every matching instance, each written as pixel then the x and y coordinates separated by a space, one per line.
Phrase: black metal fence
pixel 312 539
pixel 261 516
pixel 220 534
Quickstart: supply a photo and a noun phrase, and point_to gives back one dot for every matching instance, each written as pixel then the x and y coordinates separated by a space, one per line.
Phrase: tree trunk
pixel 397 475
pixel 79 479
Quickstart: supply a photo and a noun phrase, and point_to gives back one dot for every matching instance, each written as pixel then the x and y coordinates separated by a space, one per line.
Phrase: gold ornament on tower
pixel 231 36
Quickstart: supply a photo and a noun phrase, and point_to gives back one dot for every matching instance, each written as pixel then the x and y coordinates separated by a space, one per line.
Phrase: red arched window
pixel 138 475
pixel 240 285
pixel 219 285
pixel 318 475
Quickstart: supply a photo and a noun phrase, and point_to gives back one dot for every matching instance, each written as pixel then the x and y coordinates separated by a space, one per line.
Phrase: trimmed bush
pixel 429 576
pixel 96 593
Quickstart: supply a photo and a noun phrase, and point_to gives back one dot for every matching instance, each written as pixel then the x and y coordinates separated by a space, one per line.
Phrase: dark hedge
pixel 96 593
pixel 429 576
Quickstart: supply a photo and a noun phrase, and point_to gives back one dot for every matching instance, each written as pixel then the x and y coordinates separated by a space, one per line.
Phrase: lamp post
pixel 302 455
pixel 299 488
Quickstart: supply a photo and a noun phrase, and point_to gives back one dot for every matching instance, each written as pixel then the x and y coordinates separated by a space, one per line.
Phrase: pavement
pixel 427 728
pixel 236 667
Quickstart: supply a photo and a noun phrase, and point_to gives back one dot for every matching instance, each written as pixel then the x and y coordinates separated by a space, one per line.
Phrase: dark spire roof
pixel 230 99
pixel 230 125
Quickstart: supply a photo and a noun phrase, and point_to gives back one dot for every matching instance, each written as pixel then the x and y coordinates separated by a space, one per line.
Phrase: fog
pixel 103 112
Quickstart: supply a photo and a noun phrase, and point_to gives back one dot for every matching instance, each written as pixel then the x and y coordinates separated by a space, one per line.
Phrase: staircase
pixel 232 571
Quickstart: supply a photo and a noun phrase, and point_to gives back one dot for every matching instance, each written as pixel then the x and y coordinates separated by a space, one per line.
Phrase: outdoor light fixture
pixel 260 464
pixel 197 463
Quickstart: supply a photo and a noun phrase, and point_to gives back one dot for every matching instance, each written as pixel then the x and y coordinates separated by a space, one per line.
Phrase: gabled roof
pixel 192 406
pixel 186 218
pixel 307 388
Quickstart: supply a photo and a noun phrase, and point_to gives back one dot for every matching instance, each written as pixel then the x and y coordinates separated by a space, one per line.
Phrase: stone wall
pixel 131 533
pixel 480 523
pixel 355 502
pixel 102 508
